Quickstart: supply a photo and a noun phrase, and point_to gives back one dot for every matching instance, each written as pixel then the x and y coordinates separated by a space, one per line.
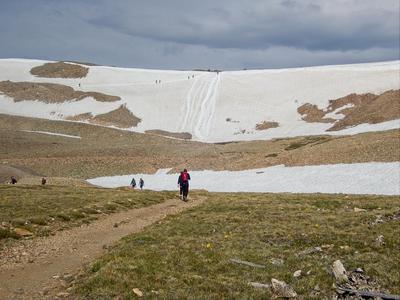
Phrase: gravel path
pixel 46 267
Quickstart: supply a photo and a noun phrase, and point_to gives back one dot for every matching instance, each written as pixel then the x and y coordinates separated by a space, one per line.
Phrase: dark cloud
pixel 188 34
pixel 288 23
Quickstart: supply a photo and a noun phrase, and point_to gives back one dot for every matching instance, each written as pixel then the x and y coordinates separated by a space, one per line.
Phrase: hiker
pixel 180 184
pixel 183 182
pixel 44 180
pixel 133 183
pixel 13 180
pixel 141 183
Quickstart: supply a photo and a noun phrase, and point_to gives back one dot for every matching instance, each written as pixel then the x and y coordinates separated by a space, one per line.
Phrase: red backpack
pixel 185 177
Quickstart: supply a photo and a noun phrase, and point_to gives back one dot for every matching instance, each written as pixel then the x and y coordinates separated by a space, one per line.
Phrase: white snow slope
pixel 363 178
pixel 202 104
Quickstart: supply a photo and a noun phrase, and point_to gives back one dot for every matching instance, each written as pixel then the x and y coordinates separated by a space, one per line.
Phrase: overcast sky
pixel 186 34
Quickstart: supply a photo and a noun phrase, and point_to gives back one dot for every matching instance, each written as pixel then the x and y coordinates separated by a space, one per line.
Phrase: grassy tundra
pixel 189 256
pixel 46 209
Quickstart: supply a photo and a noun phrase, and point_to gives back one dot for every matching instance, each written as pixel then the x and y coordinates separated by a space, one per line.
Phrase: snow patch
pixel 53 133
pixel 336 113
pixel 361 178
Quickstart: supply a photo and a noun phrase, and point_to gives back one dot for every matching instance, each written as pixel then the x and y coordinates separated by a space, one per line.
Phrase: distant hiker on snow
pixel 133 183
pixel 183 182
pixel 13 180
pixel 141 183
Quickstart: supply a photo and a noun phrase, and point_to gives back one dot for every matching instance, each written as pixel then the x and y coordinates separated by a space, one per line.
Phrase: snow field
pixel 362 178
pixel 201 105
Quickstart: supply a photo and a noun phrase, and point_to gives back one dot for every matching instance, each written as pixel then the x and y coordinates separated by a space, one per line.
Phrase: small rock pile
pixel 383 219
pixel 355 284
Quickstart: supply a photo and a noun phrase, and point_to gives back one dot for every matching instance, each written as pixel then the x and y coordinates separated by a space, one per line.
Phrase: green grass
pixel 50 208
pixel 188 256
pixel 6 233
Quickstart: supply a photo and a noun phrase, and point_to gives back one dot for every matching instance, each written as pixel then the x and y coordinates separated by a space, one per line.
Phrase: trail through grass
pixel 45 209
pixel 189 256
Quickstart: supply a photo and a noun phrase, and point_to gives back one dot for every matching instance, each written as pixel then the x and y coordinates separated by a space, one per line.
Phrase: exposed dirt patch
pixel 312 114
pixel 367 108
pixel 98 96
pixel 81 118
pixel 264 125
pixel 49 92
pixel 177 135
pixel 60 70
pixel 120 117
pixel 357 109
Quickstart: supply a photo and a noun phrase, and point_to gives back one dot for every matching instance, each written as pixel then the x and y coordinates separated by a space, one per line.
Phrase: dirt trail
pixel 59 256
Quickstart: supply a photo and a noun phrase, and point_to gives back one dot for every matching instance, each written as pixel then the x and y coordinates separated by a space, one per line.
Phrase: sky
pixel 206 34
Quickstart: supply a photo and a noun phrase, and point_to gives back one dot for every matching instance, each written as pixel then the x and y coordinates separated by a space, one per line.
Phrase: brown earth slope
pixel 6 171
pixel 48 92
pixel 104 151
pixel 60 70
pixel 121 117
pixel 176 135
pixel 357 109
pixel 367 108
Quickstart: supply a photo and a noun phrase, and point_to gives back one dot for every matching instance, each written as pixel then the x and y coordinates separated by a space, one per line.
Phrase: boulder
pixel 22 232
pixel 339 271
pixel 282 289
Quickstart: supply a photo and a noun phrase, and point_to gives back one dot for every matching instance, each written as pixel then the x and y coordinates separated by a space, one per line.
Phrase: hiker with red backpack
pixel 183 182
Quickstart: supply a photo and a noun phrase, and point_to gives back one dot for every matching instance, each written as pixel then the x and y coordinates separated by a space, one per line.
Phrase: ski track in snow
pixel 207 108
pixel 200 106
pixel 188 107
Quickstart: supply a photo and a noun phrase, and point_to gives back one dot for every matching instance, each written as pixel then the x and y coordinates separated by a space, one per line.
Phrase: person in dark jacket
pixel 180 185
pixel 183 182
pixel 133 183
pixel 13 180
pixel 141 183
